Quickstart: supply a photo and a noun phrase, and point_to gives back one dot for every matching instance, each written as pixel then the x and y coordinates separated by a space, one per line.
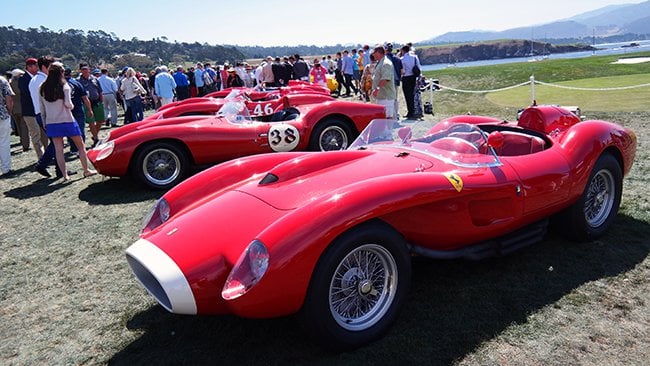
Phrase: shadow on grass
pixel 41 187
pixel 111 191
pixel 453 307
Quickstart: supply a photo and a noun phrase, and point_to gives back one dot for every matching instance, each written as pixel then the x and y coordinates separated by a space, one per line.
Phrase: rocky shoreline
pixel 492 51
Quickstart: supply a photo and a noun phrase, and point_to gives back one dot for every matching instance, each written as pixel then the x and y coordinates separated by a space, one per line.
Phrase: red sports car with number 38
pixel 329 236
pixel 160 153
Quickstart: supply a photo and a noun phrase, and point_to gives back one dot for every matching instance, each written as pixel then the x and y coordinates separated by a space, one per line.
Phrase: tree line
pixel 100 48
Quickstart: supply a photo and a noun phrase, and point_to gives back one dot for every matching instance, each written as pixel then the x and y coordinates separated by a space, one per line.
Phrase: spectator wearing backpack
pixel 209 79
pixel 410 72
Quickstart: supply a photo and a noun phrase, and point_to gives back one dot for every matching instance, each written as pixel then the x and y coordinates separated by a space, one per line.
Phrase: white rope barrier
pixel 591 89
pixel 444 87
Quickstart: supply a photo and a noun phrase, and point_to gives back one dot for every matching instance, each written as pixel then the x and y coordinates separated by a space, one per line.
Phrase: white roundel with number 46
pixel 263 110
pixel 283 137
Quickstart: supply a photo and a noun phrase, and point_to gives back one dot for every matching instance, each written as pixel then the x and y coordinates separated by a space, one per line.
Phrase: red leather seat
pixel 516 143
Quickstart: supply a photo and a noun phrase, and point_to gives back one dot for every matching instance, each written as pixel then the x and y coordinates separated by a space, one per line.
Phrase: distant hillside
pixel 639 26
pixel 614 20
pixel 618 16
pixel 491 51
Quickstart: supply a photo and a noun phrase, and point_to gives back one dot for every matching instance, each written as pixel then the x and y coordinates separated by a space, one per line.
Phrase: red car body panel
pixel 254 94
pixel 316 197
pixel 256 108
pixel 211 139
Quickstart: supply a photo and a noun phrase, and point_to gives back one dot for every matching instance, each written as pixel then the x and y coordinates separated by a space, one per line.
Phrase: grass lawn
pixel 67 296
pixel 631 100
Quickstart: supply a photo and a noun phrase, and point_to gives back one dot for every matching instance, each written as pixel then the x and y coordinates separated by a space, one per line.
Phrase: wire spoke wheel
pixel 161 165
pixel 363 287
pixel 594 212
pixel 600 198
pixel 333 138
pixel 358 287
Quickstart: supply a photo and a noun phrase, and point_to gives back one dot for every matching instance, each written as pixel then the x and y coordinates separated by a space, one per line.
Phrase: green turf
pixel 499 76
pixel 589 72
pixel 637 99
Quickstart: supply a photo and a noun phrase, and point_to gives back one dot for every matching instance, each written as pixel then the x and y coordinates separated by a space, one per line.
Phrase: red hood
pixel 311 176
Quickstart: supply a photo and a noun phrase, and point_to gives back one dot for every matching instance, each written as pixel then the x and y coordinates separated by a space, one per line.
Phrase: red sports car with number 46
pixel 162 152
pixel 329 236
pixel 261 102
pixel 258 109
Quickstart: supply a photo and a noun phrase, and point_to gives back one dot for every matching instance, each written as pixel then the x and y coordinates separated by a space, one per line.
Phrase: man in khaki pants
pixel 36 132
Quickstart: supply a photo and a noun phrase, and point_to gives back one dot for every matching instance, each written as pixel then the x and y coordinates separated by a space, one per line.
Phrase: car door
pixel 544 180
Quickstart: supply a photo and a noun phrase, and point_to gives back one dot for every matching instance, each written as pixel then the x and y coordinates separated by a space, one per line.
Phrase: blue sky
pixel 290 22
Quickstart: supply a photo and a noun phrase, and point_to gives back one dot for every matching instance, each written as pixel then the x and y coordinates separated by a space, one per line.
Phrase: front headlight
pixel 156 216
pixel 105 150
pixel 249 270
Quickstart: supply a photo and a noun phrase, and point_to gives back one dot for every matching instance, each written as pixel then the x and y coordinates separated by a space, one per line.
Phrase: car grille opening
pixel 149 282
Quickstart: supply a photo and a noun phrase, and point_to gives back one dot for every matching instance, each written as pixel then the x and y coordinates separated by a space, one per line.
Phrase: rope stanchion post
pixel 532 90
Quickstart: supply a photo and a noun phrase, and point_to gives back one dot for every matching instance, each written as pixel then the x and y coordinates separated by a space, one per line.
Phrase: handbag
pixel 416 69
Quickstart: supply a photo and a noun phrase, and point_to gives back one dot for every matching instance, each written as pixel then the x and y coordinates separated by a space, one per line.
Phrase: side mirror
pixel 496 139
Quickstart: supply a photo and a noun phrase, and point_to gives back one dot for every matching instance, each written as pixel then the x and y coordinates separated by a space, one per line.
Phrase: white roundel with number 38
pixel 283 137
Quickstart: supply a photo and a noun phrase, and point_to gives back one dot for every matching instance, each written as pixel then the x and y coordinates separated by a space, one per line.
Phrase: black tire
pixel 591 216
pixel 377 298
pixel 329 135
pixel 160 165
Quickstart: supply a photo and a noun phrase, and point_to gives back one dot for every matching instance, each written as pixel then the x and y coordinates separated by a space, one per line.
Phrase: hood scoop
pixel 268 179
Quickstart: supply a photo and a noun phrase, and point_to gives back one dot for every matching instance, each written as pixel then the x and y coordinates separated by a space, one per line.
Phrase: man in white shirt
pixel 109 93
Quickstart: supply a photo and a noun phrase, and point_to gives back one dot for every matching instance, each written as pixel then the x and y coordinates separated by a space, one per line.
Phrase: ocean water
pixel 603 49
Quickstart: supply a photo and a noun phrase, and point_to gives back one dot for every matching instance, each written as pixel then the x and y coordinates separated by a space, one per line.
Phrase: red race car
pixel 330 235
pixel 161 152
pixel 211 101
pixel 258 107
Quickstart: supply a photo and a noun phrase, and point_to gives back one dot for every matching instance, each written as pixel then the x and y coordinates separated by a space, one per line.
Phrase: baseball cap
pixel 31 61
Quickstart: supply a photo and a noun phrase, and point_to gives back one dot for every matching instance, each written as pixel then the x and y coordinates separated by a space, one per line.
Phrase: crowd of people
pixel 44 105
pixel 41 102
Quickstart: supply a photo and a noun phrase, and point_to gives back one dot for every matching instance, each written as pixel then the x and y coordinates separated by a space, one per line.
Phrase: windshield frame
pixel 235 108
pixel 384 134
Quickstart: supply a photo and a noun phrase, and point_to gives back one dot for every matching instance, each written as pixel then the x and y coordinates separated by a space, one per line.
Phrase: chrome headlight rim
pixel 157 215
pixel 247 272
pixel 105 150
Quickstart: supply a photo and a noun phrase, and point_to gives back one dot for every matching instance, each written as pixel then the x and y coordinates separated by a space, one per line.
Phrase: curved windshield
pixel 234 109
pixel 462 144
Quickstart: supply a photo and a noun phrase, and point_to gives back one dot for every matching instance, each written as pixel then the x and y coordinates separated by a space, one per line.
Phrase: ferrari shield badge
pixel 455 181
